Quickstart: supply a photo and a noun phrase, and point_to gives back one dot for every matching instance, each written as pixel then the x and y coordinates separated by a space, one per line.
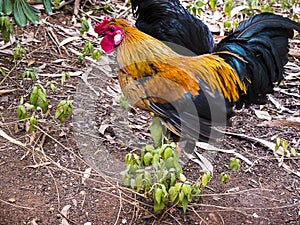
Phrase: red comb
pixel 101 27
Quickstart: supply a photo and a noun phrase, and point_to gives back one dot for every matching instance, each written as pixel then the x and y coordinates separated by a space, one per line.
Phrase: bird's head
pixel 112 34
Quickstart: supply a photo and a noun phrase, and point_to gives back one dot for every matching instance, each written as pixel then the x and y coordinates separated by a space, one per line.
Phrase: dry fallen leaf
pixel 64 212
pixel 87 174
pixel 264 115
pixel 30 61
pixel 102 128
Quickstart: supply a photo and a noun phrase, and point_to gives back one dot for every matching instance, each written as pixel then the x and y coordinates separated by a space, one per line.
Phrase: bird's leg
pixel 184 146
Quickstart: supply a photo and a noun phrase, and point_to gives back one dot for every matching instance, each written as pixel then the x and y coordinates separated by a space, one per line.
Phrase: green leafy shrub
pixel 22 12
pixel 158 174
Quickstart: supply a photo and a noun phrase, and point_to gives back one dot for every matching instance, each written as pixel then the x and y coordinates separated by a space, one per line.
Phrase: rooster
pixel 169 21
pixel 193 94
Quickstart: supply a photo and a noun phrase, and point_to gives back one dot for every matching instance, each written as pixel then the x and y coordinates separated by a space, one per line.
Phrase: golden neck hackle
pixel 139 54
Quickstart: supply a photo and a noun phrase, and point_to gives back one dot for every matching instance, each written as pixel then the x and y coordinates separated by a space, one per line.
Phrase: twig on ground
pixel 15 205
pixel 120 207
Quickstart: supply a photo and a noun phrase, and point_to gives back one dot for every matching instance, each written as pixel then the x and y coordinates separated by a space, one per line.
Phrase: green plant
pixel 88 49
pixel 124 103
pixel 22 11
pixel 84 25
pixel 38 98
pixel 18 52
pixel 157 131
pixel 159 175
pixel 63 110
pixel 31 73
pixel 52 85
pixel 5 28
pixel 224 177
pixel 234 165
pixel 196 7
pixel 64 77
pixel 282 142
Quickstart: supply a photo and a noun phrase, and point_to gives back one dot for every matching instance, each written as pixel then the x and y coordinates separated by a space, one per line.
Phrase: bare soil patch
pixel 48 181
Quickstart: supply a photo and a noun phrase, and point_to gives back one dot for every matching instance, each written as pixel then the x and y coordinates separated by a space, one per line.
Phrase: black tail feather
pixel 262 41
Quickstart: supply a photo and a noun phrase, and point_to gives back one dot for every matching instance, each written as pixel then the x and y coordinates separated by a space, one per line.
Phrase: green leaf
pixel 53 87
pixel 19 14
pixel 88 48
pixel 224 177
pixel 5 27
pixel 213 4
pixel 205 178
pixel 158 206
pixel 1 6
pixel 187 189
pixel 97 54
pixel 228 7
pixel 178 186
pixel 196 191
pixel 132 183
pixel 7 7
pixel 18 52
pixel 38 98
pixel 84 26
pixel 284 144
pixel 173 193
pixel 234 164
pixel 30 14
pixel 277 145
pixel 181 196
pixel 139 182
pixel 147 158
pixel 125 180
pixel 168 152
pixel 155 160
pixel 149 148
pixel 47 6
pixel 156 131
pixel 182 178
pixel 158 194
pixel 128 159
pixel 34 96
pixel 169 163
pixel 184 203
pixel 199 4
pixel 56 4
pixel 293 152
pixel 137 159
pixel 124 103
pixel 164 189
pixel 63 110
pixel 172 179
pixel 42 100
pixel 32 122
pixel 22 112
pixel 177 165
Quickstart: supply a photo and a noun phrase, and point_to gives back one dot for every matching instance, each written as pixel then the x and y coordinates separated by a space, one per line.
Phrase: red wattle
pixel 107 44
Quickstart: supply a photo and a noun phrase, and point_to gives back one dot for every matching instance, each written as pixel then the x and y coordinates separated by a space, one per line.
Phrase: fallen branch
pixel 2 92
pixel 10 139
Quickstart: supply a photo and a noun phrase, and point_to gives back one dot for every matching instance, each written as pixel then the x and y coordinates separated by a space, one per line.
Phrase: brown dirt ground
pixel 43 182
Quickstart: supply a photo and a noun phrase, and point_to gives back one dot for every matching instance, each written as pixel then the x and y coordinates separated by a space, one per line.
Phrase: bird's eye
pixel 111 29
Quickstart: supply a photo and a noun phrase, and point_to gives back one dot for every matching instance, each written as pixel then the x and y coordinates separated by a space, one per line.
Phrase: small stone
pixel 12 200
